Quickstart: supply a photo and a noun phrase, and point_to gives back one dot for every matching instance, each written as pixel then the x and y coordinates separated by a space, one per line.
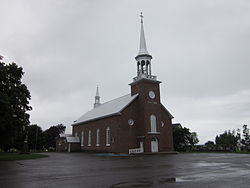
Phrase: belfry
pixel 143 58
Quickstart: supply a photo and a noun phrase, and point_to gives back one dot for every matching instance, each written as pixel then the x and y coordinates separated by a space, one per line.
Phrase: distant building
pixel 67 142
pixel 134 123
pixel 177 125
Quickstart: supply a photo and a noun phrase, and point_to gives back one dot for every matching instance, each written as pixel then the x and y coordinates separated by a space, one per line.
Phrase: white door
pixel 141 146
pixel 154 145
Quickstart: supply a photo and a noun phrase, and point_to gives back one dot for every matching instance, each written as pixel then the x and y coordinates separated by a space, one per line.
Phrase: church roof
pixel 72 139
pixel 169 114
pixel 107 109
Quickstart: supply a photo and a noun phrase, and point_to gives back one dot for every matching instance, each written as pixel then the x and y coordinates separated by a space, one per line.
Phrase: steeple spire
pixel 143 46
pixel 97 91
pixel 143 58
pixel 97 98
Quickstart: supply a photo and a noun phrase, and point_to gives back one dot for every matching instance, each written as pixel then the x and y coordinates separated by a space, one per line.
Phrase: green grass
pixel 17 156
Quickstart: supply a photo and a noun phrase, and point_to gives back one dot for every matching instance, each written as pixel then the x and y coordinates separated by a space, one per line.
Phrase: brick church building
pixel 134 123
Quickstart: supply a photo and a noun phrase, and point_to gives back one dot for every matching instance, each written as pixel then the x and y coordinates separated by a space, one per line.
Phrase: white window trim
pixel 108 137
pixel 153 123
pixel 89 138
pixel 82 138
pixel 154 133
pixel 98 137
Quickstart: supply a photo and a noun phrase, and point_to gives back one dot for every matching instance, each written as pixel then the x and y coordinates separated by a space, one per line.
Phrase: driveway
pixel 104 170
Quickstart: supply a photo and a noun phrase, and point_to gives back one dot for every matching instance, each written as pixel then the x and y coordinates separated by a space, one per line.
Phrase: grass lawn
pixel 17 156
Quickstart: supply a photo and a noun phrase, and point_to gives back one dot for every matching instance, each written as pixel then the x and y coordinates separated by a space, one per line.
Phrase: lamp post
pixel 25 143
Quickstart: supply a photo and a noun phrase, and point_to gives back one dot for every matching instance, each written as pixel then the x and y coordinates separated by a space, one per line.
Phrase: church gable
pixel 166 111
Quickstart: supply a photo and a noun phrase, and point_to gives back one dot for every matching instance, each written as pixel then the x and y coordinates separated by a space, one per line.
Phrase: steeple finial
pixel 97 98
pixel 141 17
pixel 97 91
pixel 143 46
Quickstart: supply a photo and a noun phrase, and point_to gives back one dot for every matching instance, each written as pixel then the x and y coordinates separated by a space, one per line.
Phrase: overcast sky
pixel 200 49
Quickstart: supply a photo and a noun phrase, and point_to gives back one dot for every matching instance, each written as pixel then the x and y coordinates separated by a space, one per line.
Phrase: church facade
pixel 134 123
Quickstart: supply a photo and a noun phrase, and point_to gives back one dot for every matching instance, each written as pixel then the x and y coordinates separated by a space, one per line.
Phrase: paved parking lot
pixel 103 170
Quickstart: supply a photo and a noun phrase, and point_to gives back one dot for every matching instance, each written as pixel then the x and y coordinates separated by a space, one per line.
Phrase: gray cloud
pixel 200 53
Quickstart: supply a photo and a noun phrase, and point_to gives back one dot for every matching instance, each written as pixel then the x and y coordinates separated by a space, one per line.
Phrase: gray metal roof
pixel 110 108
pixel 71 139
pixel 62 135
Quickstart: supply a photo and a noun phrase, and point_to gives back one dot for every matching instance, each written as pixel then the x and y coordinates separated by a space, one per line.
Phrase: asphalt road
pixel 67 170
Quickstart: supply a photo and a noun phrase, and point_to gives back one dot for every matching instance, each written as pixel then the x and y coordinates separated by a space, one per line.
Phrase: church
pixel 134 123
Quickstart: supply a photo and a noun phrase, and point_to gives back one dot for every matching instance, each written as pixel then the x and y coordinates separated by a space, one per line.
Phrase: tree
pixel 228 140
pixel 209 143
pixel 14 104
pixel 183 138
pixel 35 134
pixel 50 135
pixel 246 135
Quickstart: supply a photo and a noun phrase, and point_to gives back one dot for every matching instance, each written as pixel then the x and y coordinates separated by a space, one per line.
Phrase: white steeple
pixel 143 58
pixel 97 98
pixel 143 46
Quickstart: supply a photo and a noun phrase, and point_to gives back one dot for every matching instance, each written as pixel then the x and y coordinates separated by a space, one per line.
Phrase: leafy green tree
pixel 14 104
pixel 209 143
pixel 35 134
pixel 228 140
pixel 50 135
pixel 246 136
pixel 183 138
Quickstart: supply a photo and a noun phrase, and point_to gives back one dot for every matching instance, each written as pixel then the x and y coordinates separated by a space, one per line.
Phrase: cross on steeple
pixel 141 17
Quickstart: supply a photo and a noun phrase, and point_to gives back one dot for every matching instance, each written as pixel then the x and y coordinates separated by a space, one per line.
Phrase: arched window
pixel 89 138
pixel 153 123
pixel 82 137
pixel 107 136
pixel 97 137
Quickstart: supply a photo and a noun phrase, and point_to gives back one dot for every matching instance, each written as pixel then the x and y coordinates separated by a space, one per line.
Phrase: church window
pixel 89 138
pixel 107 136
pixel 98 137
pixel 131 122
pixel 153 123
pixel 82 137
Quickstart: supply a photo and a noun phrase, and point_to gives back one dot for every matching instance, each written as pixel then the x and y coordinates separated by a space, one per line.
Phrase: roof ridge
pixel 112 100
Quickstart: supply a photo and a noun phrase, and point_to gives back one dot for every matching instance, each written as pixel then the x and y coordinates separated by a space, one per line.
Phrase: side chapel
pixel 134 123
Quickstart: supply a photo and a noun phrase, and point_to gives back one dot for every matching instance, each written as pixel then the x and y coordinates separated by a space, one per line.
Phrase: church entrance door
pixel 141 146
pixel 154 145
